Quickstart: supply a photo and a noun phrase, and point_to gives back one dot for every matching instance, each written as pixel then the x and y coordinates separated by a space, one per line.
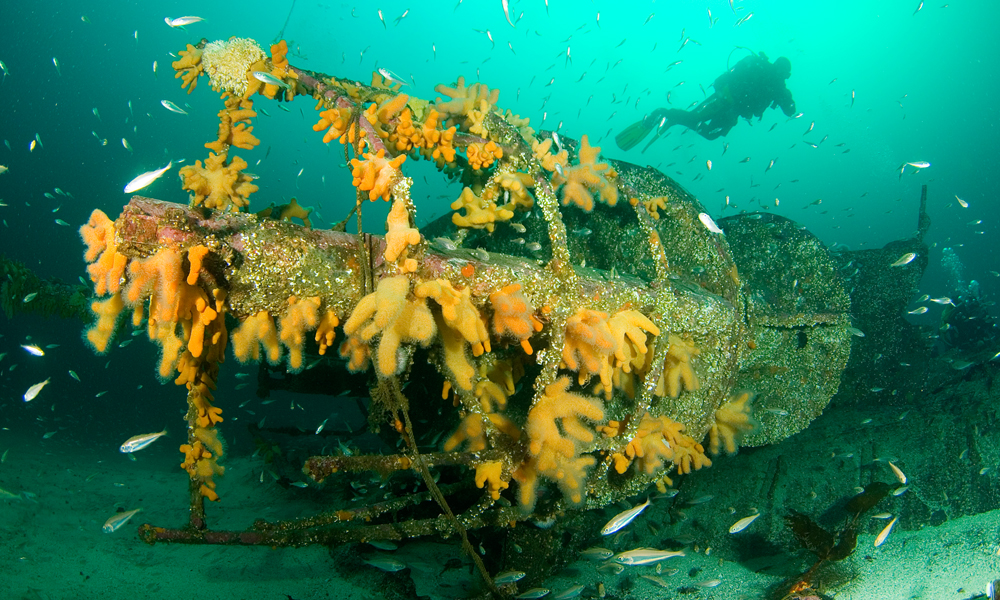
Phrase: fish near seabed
pixel 116 521
pixel 138 442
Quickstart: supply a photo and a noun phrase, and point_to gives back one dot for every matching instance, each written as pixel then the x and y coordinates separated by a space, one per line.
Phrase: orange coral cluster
pixel 187 322
pixel 657 440
pixel 481 212
pixel 732 419
pixel 459 323
pixel 556 437
pixel 598 345
pixel 387 313
pixel 106 270
pixel 463 101
pixel 234 126
pixel 338 123
pixel 376 174
pixel 256 331
pixel 481 156
pixel 513 315
pixel 218 185
pixel 400 236
pixel 202 465
pixel 300 317
pixel 678 373
pixel 189 67
pixel 578 182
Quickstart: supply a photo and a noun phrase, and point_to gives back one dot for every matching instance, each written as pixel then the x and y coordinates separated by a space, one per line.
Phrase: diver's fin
pixel 633 134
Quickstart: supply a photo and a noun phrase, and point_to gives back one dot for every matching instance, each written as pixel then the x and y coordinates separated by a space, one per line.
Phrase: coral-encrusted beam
pixel 261 262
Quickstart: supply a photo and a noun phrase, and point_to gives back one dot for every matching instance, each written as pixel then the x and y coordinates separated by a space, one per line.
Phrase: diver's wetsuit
pixel 747 90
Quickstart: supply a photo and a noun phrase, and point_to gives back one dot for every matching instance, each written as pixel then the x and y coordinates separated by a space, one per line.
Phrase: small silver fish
pixel 445 243
pixel 743 523
pixel 624 518
pixel 597 553
pixel 33 350
pixel 961 202
pixel 942 300
pixel 508 577
pixel 645 556
pixel 55 61
pixel 269 79
pixel 74 375
pixel 115 522
pixel 390 76
pixel 33 390
pixel 29 297
pixel 709 224
pixel 904 259
pixel 146 178
pixel 138 442
pixel 918 311
pixel 899 474
pixel 922 164
pixel 182 21
pixel 386 563
pixel 533 593
pixel 167 104
pixel 885 532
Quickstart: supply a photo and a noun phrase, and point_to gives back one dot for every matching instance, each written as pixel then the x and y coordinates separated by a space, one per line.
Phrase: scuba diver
pixel 747 90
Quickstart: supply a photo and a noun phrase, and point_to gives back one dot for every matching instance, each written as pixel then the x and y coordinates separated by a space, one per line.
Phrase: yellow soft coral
pixel 482 156
pixel 555 434
pixel 513 315
pixel 731 420
pixel 400 236
pixel 376 174
pixel 107 312
pixel 326 331
pixel 337 120
pixel 436 144
pixel 629 329
pixel 389 109
pixel 460 324
pixel 549 161
pixel 655 205
pixel 517 185
pixel 481 212
pixel 587 176
pixel 469 430
pixel 218 185
pixel 388 313
pixel 256 331
pixel 464 100
pixel 490 474
pixel 202 466
pixel 657 440
pixel 301 316
pixel 234 126
pixel 189 67
pixel 677 371
pixel 107 265
pixel 588 345
pixel 279 54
